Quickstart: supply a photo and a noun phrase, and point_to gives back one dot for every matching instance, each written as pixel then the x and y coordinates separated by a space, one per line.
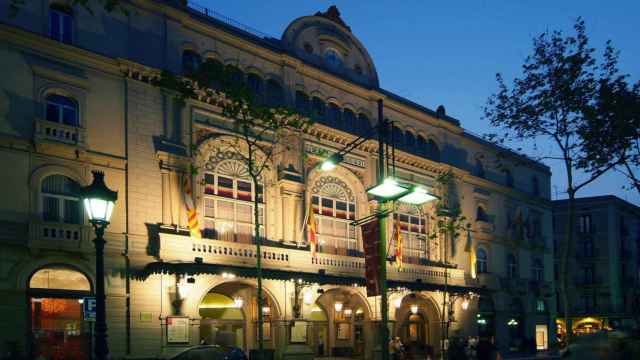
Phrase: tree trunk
pixel 565 254
pixel 258 240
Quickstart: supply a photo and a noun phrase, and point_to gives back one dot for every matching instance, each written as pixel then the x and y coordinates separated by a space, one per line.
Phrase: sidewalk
pixel 538 355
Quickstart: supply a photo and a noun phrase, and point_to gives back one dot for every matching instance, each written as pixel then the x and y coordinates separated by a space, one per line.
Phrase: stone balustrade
pixel 175 247
pixel 59 236
pixel 56 132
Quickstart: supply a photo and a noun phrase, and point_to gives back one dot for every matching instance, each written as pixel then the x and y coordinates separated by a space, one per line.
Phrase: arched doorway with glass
pixel 229 313
pixel 417 324
pixel 348 322
pixel 55 298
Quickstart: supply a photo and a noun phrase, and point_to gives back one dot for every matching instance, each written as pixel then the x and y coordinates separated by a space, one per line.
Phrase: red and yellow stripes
pixel 192 214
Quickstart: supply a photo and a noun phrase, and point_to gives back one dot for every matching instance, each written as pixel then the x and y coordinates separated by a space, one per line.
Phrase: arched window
pixel 538 270
pixel 410 141
pixel 421 146
pixel 60 200
pixel 433 152
pixel 335 208
pixel 318 109
pixel 478 169
pixel 228 195
pixel 256 86
pixel 397 138
pixel 62 109
pixel 508 178
pixel 275 93
pixel 61 23
pixel 535 186
pixel 512 266
pixel 236 76
pixel 332 58
pixel 481 214
pixel 213 66
pixel 349 120
pixel 482 265
pixel 302 103
pixel 59 277
pixel 190 62
pixel 334 117
pixel 413 230
pixel 364 126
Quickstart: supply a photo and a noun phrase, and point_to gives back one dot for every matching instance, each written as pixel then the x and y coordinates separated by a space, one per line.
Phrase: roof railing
pixel 227 20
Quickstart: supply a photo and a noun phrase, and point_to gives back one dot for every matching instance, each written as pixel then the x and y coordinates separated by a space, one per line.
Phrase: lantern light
pixel 414 309
pixel 338 306
pixel 465 304
pixel 418 196
pixel 397 302
pixel 98 200
pixel 331 162
pixel 307 297
pixel 238 302
pixel 388 189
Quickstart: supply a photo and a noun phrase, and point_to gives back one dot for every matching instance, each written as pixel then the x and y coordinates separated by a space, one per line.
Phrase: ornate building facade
pixel 78 98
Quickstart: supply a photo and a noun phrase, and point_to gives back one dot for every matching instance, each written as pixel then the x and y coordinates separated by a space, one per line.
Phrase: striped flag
pixel 192 215
pixel 312 231
pixel 397 235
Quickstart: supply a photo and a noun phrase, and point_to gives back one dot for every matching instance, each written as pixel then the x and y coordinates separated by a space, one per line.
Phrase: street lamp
pixel 99 201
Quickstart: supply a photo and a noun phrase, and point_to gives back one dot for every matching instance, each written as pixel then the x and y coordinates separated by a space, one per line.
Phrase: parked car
pixel 210 352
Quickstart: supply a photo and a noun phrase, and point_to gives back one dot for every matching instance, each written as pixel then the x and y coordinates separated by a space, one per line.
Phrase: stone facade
pixel 99 65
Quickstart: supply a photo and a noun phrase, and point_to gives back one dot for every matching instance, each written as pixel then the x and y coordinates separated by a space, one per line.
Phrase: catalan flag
pixel 312 236
pixel 192 215
pixel 397 235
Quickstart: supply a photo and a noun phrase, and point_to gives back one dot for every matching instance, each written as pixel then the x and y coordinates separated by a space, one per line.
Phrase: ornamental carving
pixel 331 186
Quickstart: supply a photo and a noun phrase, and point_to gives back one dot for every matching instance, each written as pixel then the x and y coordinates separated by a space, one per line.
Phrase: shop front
pixel 58 329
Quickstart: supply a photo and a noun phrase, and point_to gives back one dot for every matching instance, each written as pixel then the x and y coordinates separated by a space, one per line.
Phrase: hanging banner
pixel 371 242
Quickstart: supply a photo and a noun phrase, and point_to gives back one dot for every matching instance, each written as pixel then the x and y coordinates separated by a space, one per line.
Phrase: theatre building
pixel 77 95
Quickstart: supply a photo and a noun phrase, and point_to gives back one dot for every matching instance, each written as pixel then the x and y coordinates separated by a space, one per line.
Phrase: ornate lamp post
pixel 99 202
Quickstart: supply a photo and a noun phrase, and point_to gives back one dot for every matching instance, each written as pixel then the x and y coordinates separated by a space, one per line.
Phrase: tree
pixel 14 6
pixel 612 132
pixel 261 133
pixel 551 101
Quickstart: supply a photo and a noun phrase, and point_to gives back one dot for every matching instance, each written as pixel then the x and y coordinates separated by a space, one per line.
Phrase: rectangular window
pixel 50 208
pixel 244 191
pixel 585 224
pixel 209 184
pixel 225 187
pixel 60 26
pixel 337 236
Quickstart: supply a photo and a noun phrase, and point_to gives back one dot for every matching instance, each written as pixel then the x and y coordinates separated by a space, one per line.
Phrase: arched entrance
pixel 58 330
pixel 229 314
pixel 417 324
pixel 348 315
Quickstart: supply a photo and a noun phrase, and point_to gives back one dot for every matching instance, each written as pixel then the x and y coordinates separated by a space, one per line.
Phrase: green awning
pixel 320 277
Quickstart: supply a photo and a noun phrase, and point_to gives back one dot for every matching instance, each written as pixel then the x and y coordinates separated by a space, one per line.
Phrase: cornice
pixel 39 44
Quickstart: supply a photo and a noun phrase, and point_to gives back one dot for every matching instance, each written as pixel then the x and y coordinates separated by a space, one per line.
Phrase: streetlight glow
pixel 331 162
pixel 465 304
pixel 417 196
pixel 388 190
pixel 98 200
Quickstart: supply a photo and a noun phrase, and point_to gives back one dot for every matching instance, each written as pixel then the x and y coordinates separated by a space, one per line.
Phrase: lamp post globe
pixel 99 201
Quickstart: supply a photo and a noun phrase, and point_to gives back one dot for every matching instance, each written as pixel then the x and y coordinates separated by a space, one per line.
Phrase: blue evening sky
pixel 447 52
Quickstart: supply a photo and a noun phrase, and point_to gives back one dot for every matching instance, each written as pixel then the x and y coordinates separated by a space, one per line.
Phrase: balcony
pixel 174 247
pixel 59 236
pixel 488 280
pixel 53 132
